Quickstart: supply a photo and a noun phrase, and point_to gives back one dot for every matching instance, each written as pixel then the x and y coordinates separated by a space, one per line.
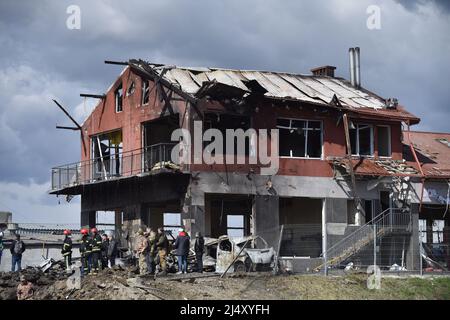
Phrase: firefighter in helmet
pixel 96 250
pixel 85 251
pixel 67 249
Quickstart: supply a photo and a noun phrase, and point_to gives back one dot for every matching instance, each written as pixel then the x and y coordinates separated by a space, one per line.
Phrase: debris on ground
pixel 120 283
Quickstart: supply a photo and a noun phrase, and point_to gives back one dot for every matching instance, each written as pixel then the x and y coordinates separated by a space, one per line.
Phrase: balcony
pixel 149 160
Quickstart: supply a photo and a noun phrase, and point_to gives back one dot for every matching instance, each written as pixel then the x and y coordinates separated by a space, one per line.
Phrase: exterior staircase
pixel 388 222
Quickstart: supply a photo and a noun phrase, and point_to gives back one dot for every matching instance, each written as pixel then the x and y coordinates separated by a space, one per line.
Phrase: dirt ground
pixel 121 283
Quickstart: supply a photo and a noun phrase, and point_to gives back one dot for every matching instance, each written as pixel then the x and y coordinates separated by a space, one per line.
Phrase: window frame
pixel 143 82
pixel 372 148
pixel 243 228
pixel 116 100
pixel 306 137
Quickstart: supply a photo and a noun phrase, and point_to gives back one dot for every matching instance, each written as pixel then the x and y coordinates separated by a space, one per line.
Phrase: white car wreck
pixel 250 253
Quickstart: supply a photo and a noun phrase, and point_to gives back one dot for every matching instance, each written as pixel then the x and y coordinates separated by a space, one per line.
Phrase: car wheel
pixel 239 266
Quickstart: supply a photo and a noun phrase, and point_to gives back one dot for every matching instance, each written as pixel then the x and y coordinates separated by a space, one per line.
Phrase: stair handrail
pixel 375 221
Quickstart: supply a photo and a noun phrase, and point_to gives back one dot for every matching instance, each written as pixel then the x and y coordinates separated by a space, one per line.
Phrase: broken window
pixel 361 139
pixel 172 222
pixel 145 91
pixel 107 154
pixel 235 225
pixel 118 94
pixel 384 141
pixel 222 122
pixel 438 231
pixel 131 88
pixel 300 138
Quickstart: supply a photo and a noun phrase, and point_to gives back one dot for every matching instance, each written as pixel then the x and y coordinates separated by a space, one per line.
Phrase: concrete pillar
pixel 88 219
pixel 266 218
pixel 193 219
pixel 413 255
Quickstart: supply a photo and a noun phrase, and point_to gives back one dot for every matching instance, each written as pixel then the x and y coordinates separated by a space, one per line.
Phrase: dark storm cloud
pixel 41 59
pixel 443 5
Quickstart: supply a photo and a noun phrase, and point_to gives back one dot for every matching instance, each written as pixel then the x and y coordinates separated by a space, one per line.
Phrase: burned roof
pixel 367 167
pixel 199 82
pixel 433 152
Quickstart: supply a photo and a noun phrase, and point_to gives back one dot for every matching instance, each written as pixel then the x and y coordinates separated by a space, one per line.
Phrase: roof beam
pixel 96 96
pixel 121 63
pixel 67 128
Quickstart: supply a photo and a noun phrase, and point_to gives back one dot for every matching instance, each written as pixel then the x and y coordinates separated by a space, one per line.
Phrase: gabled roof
pixel 199 82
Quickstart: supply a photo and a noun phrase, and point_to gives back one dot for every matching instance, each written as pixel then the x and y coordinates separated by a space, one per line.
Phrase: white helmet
pixel 1 234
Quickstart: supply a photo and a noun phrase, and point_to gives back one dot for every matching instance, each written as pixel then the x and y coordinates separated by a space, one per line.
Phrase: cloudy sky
pixel 41 59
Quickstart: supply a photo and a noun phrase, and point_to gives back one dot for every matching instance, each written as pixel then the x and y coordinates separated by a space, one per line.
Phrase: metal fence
pixel 389 241
pixel 150 159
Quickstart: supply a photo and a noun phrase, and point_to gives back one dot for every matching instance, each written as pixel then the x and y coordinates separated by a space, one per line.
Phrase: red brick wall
pixel 104 119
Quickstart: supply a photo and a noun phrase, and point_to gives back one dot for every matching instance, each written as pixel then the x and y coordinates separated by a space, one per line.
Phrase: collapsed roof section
pixel 219 84
pixel 369 167
pixel 433 152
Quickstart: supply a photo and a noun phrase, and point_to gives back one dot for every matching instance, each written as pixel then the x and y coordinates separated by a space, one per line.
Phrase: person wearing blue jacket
pixel 182 246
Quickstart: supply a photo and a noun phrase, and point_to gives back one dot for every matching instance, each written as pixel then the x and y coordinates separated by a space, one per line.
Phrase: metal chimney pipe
pixel 357 68
pixel 351 55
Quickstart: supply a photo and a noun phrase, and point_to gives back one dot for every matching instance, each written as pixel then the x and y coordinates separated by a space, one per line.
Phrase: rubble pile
pixel 10 280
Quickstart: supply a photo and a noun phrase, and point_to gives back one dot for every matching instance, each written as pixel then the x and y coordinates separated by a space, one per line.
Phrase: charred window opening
pixel 302 220
pixel 222 122
pixel 384 141
pixel 235 225
pixel 157 142
pixel 118 94
pixel 131 88
pixel 300 138
pixel 361 140
pixel 145 91
pixel 228 215
pixel 107 154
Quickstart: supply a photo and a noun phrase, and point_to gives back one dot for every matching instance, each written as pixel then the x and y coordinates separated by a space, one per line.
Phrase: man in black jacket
pixel 17 249
pixel 182 245
pixel 112 250
pixel 104 250
pixel 199 248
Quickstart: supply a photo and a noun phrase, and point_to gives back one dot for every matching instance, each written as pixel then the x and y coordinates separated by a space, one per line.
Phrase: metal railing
pixel 389 221
pixel 152 158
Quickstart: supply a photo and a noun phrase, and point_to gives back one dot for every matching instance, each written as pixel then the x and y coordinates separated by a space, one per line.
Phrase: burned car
pixel 254 254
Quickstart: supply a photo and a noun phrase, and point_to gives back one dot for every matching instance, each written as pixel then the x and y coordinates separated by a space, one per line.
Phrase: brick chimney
pixel 324 71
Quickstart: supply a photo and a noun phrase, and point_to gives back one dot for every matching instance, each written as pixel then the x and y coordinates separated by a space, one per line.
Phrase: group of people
pixel 152 248
pixel 100 251
pixel 96 251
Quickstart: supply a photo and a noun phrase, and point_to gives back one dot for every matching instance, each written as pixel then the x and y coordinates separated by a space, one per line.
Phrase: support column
pixel 266 218
pixel 413 257
pixel 88 219
pixel 193 213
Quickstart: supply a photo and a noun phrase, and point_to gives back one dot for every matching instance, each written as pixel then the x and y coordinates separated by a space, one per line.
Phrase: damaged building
pixel 341 163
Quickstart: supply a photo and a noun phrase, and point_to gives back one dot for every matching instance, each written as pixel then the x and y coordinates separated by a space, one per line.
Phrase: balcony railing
pixel 149 159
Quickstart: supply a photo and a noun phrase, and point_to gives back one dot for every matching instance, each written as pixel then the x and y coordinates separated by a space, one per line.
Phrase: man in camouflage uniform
pixel 152 252
pixel 162 245
pixel 141 251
